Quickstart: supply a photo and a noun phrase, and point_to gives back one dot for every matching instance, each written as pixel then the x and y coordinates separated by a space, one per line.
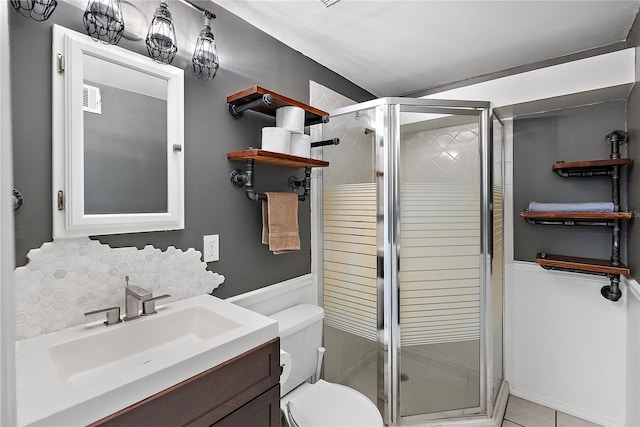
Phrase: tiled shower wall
pixel 444 155
pixel 66 278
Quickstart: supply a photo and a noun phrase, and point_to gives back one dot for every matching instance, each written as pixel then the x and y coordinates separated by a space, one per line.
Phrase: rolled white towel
pixel 571 207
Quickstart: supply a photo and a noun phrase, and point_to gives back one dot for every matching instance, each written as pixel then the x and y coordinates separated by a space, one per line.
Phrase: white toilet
pixel 321 404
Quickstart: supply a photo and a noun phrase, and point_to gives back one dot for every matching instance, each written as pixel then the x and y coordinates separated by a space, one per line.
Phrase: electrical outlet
pixel 211 248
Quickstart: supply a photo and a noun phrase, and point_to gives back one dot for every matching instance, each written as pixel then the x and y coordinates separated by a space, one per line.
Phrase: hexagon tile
pixel 66 278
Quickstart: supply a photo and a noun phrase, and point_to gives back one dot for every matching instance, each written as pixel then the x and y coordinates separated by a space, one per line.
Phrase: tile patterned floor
pixel 523 413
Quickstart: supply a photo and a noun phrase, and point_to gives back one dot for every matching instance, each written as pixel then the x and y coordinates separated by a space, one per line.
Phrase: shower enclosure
pixel 410 271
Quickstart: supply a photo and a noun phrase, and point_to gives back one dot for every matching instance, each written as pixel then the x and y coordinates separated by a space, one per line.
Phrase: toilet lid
pixel 325 404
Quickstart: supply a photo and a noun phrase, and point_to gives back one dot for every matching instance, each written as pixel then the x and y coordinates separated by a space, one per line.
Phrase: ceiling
pixel 395 47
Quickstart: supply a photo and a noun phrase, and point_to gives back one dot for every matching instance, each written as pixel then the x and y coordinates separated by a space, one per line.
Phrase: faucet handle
pixel 149 305
pixel 113 315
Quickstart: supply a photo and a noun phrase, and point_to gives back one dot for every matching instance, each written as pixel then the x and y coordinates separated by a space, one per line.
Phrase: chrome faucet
pixel 134 296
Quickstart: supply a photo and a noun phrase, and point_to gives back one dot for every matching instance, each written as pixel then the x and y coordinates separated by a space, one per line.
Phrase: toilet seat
pixel 326 404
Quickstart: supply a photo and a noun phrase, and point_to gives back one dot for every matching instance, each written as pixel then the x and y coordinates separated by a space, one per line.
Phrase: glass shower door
pixel 440 274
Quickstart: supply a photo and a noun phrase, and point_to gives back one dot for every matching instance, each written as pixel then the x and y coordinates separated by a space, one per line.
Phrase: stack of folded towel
pixel 571 207
pixel 280 222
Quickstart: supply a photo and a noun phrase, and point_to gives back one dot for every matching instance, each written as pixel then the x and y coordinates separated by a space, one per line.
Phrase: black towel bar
pixel 245 179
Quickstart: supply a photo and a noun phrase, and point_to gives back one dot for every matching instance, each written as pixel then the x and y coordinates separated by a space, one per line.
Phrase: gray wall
pixel 539 141
pixel 633 124
pixel 633 127
pixel 248 57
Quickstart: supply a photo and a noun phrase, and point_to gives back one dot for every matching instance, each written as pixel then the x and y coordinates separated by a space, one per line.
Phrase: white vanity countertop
pixel 82 374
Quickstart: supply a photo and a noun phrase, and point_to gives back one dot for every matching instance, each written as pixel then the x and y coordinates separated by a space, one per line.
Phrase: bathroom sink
pixel 117 350
pixel 82 374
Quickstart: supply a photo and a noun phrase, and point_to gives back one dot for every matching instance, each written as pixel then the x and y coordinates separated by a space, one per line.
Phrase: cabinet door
pixel 263 411
pixel 209 396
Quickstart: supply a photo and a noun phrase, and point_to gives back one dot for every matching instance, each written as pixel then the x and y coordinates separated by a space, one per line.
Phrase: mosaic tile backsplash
pixel 66 278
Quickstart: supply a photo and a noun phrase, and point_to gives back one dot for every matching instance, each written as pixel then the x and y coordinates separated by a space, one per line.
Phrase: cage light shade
pixel 103 20
pixel 39 10
pixel 161 38
pixel 205 55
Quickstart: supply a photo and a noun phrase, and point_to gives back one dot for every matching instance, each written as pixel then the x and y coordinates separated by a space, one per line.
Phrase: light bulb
pixel 205 55
pixel 161 38
pixel 39 10
pixel 103 20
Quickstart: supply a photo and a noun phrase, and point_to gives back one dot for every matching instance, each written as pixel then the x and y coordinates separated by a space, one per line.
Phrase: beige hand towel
pixel 280 222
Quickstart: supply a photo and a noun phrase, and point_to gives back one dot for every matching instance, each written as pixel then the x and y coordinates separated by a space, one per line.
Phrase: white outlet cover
pixel 211 248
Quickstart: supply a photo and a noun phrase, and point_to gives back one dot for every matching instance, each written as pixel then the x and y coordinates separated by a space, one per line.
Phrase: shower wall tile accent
pixel 442 155
pixel 66 278
pixel 326 99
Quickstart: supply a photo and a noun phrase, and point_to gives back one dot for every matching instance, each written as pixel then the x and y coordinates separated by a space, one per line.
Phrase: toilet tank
pixel 300 330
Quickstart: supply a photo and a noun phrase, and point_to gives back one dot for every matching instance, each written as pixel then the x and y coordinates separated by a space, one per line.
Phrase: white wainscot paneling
pixel 279 296
pixel 569 344
pixel 633 353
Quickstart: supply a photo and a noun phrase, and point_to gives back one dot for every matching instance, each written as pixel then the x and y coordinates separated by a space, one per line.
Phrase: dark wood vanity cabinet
pixel 244 391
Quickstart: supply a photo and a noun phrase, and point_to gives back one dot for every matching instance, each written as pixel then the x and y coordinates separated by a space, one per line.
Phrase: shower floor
pixel 439 377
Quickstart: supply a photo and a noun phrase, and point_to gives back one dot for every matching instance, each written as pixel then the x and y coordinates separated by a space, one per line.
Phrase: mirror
pixel 118 130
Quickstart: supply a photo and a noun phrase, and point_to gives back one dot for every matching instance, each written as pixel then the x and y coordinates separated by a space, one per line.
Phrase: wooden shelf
pixel 610 168
pixel 584 164
pixel 577 264
pixel 277 159
pixel 585 216
pixel 605 164
pixel 255 93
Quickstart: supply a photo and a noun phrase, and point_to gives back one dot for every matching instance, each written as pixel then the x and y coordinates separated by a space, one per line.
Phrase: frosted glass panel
pixel 439 266
pixel 349 252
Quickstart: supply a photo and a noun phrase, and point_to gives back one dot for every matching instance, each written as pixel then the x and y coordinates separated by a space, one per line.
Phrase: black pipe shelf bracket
pixel 613 267
pixel 245 179
pixel 570 222
pixel 237 110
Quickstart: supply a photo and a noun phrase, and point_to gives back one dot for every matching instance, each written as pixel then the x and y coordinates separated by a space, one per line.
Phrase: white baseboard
pixel 559 405
pixel 277 297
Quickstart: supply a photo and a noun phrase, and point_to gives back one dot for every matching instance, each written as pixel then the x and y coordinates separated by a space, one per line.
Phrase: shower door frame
pixel 387 168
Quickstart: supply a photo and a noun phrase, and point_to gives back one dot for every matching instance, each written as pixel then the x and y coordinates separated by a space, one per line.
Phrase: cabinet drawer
pixel 263 411
pixel 209 396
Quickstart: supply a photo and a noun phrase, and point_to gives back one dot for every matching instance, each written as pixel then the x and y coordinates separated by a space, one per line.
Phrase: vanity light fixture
pixel 39 10
pixel 104 21
pixel 161 38
pixel 205 55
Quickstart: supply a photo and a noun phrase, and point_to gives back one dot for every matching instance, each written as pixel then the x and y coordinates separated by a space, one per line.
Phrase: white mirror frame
pixel 68 140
